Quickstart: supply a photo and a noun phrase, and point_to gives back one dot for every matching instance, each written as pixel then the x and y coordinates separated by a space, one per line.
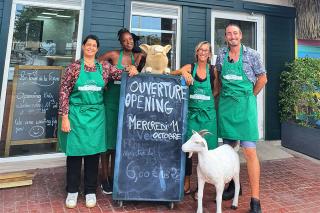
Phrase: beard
pixel 233 43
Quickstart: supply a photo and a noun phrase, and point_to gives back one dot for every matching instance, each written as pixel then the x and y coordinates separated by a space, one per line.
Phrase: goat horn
pixel 204 132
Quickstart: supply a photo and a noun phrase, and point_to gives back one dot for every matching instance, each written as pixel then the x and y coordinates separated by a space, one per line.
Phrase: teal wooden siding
pixel 104 19
pixel 1 11
pixel 5 13
pixel 279 50
pixel 194 30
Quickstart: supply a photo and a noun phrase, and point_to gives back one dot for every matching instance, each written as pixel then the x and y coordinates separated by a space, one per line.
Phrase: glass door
pixel 252 27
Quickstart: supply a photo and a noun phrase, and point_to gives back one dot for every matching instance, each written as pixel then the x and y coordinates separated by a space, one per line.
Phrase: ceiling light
pixel 44 17
pixel 52 14
pixel 54 9
pixel 62 16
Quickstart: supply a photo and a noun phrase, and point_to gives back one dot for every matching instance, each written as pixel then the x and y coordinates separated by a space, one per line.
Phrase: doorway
pixel 252 27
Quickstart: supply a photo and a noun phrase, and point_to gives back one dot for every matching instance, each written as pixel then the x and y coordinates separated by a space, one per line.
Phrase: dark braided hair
pixel 136 43
pixel 121 32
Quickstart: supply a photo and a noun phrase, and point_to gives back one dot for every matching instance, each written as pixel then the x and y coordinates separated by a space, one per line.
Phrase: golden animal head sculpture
pixel 157 60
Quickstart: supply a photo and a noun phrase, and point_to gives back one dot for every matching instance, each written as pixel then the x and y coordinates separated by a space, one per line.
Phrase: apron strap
pixel 119 64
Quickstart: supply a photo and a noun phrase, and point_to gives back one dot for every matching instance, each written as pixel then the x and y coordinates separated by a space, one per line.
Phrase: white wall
pixel 275 2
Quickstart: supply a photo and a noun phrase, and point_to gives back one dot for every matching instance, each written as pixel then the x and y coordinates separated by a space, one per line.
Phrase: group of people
pixel 89 102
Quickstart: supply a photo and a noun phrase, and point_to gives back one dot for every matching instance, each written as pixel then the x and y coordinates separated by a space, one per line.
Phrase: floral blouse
pixel 71 75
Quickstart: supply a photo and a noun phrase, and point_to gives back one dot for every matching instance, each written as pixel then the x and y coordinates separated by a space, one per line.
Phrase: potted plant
pixel 299 103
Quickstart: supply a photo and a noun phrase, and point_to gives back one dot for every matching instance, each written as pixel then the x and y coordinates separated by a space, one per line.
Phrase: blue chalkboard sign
pixel 149 163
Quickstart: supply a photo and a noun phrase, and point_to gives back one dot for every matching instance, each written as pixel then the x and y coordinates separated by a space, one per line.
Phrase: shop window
pixel 44 36
pixel 158 24
pixel 40 36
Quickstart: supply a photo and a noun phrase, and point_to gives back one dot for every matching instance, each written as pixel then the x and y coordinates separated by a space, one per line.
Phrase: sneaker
pixel 71 201
pixel 91 200
pixel 107 188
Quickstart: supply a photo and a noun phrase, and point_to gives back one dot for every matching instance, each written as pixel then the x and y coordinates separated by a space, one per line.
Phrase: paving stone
pixel 287 185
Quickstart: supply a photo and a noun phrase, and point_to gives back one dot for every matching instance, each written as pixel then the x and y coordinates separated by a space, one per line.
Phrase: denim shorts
pixel 244 144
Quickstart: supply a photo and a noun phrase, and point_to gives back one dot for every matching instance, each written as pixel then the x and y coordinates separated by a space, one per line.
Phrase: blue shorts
pixel 244 144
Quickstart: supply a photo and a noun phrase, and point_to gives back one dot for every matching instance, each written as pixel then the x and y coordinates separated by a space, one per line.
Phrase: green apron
pixel 237 111
pixel 201 110
pixel 111 101
pixel 86 116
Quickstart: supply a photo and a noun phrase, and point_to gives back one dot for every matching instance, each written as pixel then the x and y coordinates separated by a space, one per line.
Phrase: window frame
pixel 159 15
pixel 35 3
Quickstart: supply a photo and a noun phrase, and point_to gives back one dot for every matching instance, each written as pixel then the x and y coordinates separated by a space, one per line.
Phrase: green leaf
pixel 299 96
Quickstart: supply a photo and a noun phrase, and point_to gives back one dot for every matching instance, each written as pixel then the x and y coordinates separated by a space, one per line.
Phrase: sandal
pixel 187 192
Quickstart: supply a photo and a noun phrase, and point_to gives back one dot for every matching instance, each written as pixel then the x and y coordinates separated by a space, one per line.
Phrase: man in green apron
pixel 242 77
pixel 120 59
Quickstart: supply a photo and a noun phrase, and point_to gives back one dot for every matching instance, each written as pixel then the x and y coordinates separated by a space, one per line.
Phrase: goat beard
pixel 190 154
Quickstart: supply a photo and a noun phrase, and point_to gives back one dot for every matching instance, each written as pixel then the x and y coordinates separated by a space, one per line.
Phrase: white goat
pixel 216 166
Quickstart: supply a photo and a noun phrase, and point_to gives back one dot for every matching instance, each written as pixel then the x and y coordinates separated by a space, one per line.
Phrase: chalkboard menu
pixel 34 105
pixel 151 130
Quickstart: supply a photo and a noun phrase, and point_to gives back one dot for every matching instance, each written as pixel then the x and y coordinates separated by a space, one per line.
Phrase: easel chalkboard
pixel 149 163
pixel 34 106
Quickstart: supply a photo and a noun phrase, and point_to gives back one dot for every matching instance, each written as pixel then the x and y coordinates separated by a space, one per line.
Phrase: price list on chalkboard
pixel 151 130
pixel 35 104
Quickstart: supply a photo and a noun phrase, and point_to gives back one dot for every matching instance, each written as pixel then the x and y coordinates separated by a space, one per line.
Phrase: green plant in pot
pixel 299 99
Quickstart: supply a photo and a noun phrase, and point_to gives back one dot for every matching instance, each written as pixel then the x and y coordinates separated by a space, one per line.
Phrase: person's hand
pixel 188 77
pixel 132 70
pixel 65 124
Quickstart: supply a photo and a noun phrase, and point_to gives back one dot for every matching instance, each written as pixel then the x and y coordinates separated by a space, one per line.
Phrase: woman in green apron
pixel 119 58
pixel 201 109
pixel 81 130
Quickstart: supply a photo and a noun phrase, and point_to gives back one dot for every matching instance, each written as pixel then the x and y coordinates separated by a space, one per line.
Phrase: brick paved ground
pixel 289 185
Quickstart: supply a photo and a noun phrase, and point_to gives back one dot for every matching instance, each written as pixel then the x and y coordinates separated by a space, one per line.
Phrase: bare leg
pixel 106 165
pixel 112 155
pixel 253 167
pixel 186 183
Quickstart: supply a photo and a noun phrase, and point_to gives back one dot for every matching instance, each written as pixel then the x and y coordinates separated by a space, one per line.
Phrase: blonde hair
pixel 196 49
